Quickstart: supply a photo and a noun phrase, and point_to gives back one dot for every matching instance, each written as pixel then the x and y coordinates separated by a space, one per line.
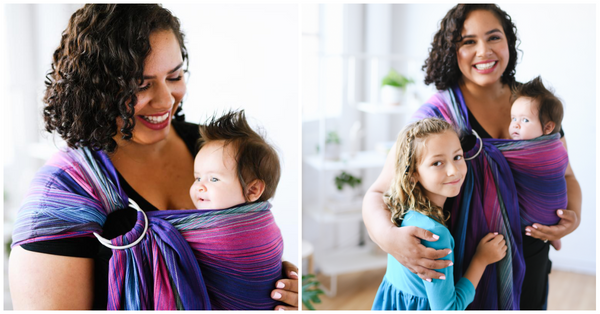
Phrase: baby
pixel 234 164
pixel 536 112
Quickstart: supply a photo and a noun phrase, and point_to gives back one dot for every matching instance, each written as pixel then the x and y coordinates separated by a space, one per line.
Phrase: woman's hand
pixel 287 289
pixel 567 224
pixel 419 259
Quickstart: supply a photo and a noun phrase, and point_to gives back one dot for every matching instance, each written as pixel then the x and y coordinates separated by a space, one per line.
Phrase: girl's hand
pixel 419 259
pixel 491 248
pixel 287 289
pixel 567 224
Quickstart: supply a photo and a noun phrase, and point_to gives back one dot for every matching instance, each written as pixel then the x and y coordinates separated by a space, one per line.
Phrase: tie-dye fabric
pixel 509 185
pixel 188 259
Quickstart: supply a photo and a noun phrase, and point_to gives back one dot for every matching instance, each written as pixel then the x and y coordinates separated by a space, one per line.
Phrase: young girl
pixel 431 168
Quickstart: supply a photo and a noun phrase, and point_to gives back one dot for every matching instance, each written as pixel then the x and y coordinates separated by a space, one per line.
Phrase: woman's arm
pixel 404 244
pixel 287 289
pixel 570 217
pixel 50 282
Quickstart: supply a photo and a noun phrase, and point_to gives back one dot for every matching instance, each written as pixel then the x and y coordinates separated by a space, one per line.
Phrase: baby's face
pixel 525 123
pixel 216 184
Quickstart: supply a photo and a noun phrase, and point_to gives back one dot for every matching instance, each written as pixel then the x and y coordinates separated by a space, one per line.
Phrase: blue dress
pixel 403 290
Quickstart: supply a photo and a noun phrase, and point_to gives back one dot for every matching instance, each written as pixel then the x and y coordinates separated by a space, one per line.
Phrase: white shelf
pixel 384 108
pixel 361 160
pixel 326 216
pixel 351 260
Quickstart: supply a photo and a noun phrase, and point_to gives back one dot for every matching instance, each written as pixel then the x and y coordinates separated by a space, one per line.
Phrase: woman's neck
pixel 495 94
pixel 138 152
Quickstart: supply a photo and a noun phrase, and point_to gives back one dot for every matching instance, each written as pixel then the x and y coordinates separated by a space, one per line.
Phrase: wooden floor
pixel 568 291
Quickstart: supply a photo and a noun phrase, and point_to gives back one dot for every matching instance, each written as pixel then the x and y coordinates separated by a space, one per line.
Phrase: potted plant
pixel 346 185
pixel 393 86
pixel 332 146
pixel 310 291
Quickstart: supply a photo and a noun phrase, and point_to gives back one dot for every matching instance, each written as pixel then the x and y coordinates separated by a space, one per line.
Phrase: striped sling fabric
pixel 188 259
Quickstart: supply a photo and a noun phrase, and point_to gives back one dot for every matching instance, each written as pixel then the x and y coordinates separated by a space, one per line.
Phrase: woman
pixel 116 85
pixel 472 61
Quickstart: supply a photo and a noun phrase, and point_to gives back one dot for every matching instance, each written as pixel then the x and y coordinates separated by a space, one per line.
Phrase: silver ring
pixel 107 243
pixel 480 146
pixel 546 241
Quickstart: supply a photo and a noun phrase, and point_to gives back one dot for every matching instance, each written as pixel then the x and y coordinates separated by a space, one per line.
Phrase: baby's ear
pixel 254 190
pixel 549 127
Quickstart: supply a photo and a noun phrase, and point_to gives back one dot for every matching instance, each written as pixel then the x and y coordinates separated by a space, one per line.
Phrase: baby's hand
pixel 491 248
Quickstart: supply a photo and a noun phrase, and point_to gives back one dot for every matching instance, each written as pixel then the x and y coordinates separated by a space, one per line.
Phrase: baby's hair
pixel 405 192
pixel 549 106
pixel 255 159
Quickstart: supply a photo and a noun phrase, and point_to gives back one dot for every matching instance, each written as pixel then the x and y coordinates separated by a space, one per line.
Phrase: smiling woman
pixel 114 94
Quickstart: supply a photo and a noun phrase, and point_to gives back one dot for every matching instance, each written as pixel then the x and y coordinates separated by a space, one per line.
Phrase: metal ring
pixel 480 146
pixel 545 241
pixel 107 243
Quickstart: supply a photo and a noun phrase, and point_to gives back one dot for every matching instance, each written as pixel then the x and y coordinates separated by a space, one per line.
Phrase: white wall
pixel 558 42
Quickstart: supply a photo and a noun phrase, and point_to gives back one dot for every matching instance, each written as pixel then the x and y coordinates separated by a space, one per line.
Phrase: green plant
pixel 345 178
pixel 332 138
pixel 396 79
pixel 310 291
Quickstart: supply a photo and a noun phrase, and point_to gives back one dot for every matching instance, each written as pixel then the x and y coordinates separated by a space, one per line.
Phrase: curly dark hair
pixel 97 69
pixel 441 67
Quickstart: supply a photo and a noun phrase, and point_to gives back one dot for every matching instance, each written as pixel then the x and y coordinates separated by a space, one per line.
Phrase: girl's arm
pixel 570 217
pixel 50 282
pixel 444 294
pixel 492 248
pixel 404 243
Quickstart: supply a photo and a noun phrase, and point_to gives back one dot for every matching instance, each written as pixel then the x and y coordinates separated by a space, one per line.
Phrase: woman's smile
pixel 156 121
pixel 485 67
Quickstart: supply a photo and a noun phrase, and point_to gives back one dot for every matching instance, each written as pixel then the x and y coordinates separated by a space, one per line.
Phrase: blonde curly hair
pixel 405 192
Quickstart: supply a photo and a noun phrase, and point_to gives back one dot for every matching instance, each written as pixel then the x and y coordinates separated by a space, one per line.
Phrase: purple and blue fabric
pixel 188 259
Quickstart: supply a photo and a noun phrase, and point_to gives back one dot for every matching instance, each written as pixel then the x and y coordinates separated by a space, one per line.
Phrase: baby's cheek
pixel 192 189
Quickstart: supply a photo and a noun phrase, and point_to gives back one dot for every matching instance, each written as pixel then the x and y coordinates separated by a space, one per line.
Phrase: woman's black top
pixel 534 292
pixel 117 223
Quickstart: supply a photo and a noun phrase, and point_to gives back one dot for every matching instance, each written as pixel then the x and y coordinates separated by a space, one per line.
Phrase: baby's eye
pixel 437 163
pixel 458 157
pixel 513 119
pixel 197 179
pixel 525 120
pixel 214 179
